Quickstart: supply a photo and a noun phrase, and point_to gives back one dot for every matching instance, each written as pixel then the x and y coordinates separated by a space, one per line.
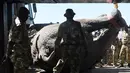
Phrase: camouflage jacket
pixel 18 36
pixel 71 32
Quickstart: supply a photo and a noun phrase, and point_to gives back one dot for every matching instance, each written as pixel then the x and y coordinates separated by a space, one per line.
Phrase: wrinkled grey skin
pixel 43 42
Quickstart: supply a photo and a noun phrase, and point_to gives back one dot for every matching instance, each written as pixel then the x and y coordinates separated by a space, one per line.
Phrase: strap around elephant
pixel 113 21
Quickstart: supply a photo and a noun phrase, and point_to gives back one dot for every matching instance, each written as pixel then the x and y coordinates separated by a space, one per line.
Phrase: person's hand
pixel 6 55
pixel 56 49
pixel 56 46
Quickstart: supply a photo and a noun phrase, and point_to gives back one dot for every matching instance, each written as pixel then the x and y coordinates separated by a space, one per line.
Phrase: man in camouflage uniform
pixel 19 49
pixel 73 38
pixel 124 47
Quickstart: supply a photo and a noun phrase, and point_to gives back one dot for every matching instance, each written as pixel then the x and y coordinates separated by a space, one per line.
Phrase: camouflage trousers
pixel 72 55
pixel 21 58
pixel 126 50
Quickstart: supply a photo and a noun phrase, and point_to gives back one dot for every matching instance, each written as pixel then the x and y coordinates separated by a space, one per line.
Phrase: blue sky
pixel 47 13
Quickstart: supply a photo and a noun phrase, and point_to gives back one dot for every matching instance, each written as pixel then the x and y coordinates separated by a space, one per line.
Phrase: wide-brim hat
pixel 69 12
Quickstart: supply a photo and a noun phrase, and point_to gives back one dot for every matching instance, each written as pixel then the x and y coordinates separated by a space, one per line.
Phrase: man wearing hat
pixel 71 33
pixel 19 49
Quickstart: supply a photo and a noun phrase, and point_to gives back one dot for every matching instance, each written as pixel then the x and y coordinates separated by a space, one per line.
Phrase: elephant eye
pixel 47 50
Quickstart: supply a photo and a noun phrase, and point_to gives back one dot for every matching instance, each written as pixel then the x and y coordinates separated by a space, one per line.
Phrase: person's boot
pixel 119 63
pixel 125 65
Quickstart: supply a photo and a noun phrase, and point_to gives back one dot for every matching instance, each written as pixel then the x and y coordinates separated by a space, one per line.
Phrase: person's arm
pixel 83 35
pixel 10 41
pixel 59 36
pixel 9 48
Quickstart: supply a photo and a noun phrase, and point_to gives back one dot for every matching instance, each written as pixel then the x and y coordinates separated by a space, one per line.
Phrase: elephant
pixel 42 44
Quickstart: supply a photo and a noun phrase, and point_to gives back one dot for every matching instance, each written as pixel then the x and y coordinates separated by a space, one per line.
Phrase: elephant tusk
pixel 51 55
pixel 47 59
